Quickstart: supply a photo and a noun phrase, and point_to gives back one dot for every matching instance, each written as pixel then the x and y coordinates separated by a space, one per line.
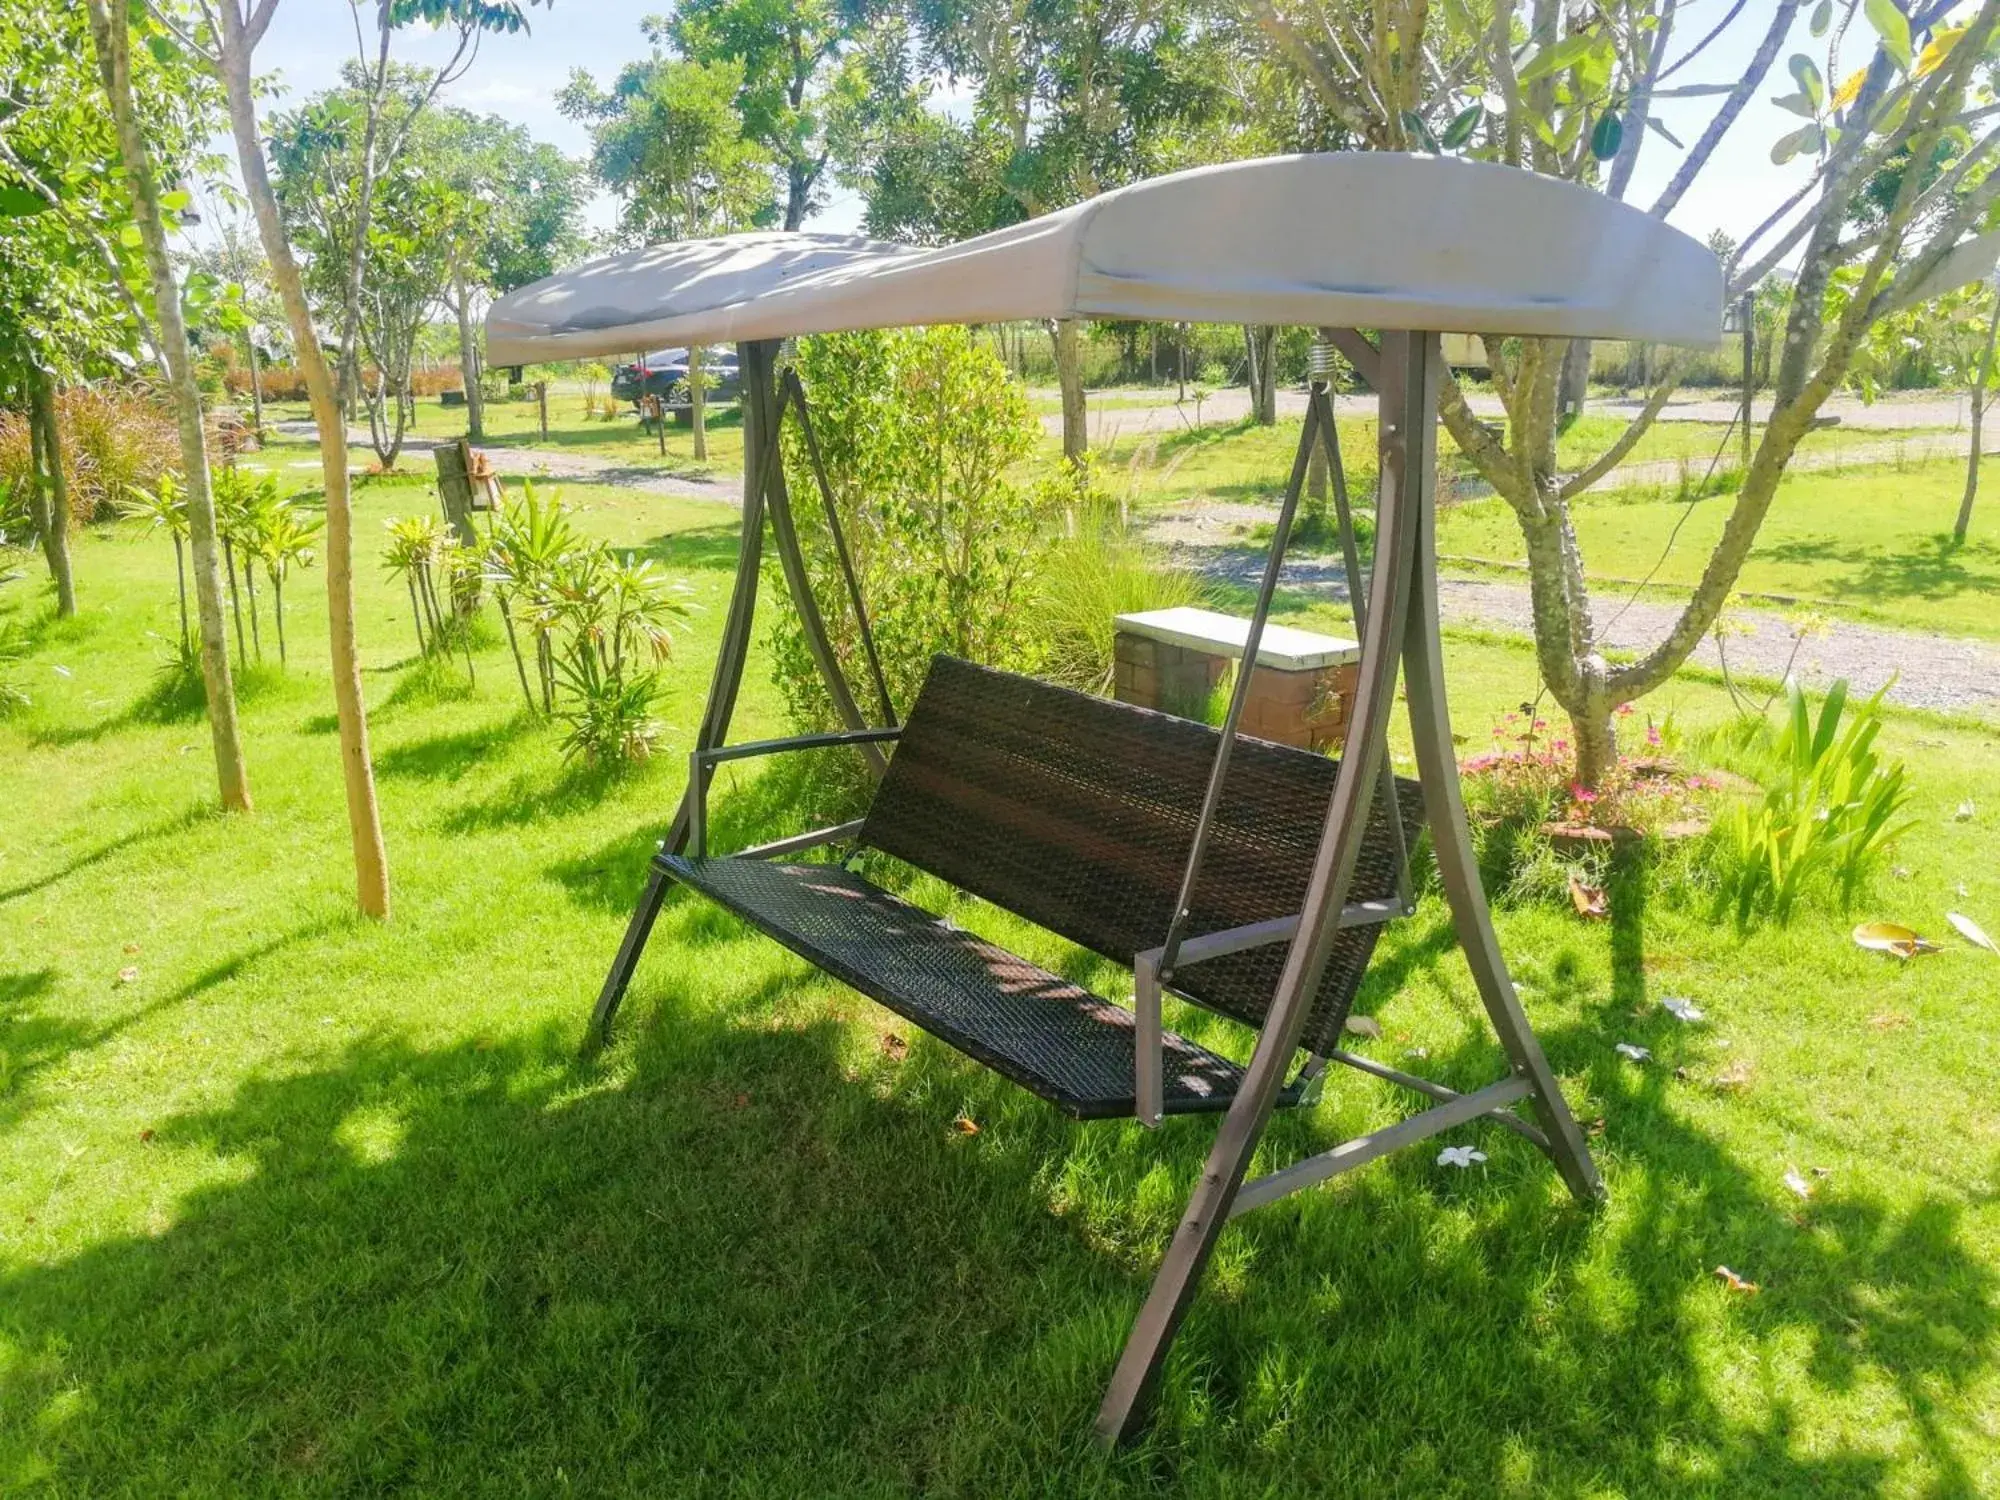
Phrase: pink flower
pixel 1559 744
pixel 1653 735
pixel 1541 723
pixel 1624 709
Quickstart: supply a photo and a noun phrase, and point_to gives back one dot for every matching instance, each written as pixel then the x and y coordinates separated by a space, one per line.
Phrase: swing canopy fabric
pixel 1338 239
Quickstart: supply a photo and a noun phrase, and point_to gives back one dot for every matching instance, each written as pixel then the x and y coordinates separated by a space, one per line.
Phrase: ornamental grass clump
pixel 596 628
pixel 1830 806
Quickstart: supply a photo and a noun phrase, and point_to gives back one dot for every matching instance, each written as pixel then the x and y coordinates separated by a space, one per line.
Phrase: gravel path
pixel 1930 671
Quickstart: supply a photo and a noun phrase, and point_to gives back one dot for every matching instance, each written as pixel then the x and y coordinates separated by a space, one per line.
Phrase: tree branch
pixel 1637 428
pixel 1732 106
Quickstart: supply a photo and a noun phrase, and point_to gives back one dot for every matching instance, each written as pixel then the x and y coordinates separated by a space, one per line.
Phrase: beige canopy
pixel 1341 239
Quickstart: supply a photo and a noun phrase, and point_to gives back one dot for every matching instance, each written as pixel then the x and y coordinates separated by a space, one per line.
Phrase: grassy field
pixel 292 1203
pixel 1873 544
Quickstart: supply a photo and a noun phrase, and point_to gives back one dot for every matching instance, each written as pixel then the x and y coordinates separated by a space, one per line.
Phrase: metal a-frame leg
pixel 1408 452
pixel 1458 871
pixel 759 441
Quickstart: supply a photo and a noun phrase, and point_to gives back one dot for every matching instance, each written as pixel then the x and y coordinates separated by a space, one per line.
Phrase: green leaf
pixel 1893 27
pixel 1605 136
pixel 1564 54
pixel 1798 104
pixel 163 49
pixel 177 201
pixel 1805 138
pixel 21 203
pixel 1413 124
pixel 129 237
pixel 1822 17
pixel 1459 131
pixel 1653 122
pixel 1810 83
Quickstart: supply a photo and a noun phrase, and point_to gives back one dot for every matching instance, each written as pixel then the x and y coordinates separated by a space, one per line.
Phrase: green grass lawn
pixel 1874 544
pixel 1242 461
pixel 311 1205
pixel 517 424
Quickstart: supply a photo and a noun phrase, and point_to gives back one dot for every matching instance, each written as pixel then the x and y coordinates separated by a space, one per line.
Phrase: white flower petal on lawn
pixel 1634 1051
pixel 1460 1156
pixel 1682 1009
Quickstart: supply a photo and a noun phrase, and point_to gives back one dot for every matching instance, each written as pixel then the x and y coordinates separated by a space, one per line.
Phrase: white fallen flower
pixel 1460 1156
pixel 1683 1010
pixel 1798 1184
pixel 1634 1051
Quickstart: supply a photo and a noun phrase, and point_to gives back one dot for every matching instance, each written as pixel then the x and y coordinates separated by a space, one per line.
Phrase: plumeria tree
pixel 1571 92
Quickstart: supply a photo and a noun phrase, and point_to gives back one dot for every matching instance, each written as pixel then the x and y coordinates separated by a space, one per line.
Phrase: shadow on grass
pixel 450 757
pixel 696 547
pixel 32 1042
pixel 530 797
pixel 146 834
pixel 731 1247
pixel 1934 567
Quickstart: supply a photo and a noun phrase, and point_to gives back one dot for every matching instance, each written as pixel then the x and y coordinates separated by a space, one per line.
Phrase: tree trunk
pixel 256 390
pixel 468 365
pixel 1963 524
pixel 1069 376
pixel 114 64
pixel 1260 344
pixel 371 863
pixel 51 489
pixel 1575 381
pixel 698 402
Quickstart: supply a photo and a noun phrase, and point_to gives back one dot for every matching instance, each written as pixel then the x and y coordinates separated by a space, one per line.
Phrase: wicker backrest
pixel 1077 813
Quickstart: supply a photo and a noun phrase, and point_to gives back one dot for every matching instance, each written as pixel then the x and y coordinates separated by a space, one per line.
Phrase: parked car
pixel 664 373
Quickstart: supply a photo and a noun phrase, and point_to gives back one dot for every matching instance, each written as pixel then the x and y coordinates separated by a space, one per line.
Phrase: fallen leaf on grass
pixel 1893 937
pixel 1734 1282
pixel 1683 1010
pixel 1589 900
pixel 1971 931
pixel 146 1135
pixel 1460 1156
pixel 1889 1020
pixel 964 1126
pixel 131 947
pixel 1735 1076
pixel 1634 1051
pixel 129 974
pixel 894 1047
pixel 1797 1183
pixel 741 1101
pixel 1965 812
pixel 1366 1026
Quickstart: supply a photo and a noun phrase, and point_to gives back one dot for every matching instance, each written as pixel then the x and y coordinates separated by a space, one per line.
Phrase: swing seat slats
pixel 1075 813
pixel 1049 1035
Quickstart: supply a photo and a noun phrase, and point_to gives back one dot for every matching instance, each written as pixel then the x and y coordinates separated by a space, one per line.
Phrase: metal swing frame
pixel 1396 610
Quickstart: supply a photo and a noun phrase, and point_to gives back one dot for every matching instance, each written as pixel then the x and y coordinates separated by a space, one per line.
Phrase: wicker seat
pixel 1076 813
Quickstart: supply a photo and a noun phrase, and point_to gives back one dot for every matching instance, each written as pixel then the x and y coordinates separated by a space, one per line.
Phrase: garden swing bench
pixel 1250 878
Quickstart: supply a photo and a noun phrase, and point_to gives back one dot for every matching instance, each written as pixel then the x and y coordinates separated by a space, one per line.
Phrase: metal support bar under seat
pixel 1365 1148
pixel 1433 1090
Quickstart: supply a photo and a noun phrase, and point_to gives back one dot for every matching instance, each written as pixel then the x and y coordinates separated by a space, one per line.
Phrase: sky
pixel 519 76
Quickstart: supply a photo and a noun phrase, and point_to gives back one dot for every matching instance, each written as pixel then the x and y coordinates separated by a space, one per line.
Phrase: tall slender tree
pixel 98 170
pixel 231 33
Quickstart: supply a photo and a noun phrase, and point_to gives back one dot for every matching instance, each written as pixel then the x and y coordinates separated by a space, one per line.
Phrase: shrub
pixel 113 438
pixel 922 432
pixel 1828 810
pixel 277 382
